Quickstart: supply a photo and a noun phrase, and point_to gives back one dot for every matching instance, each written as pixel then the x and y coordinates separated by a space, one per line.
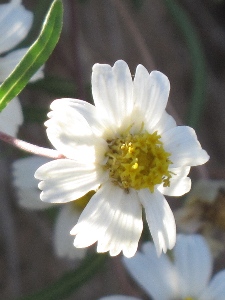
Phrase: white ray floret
pixel 187 276
pixel 28 197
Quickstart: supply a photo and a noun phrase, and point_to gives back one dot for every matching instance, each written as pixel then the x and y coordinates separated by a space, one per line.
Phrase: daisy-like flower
pixel 28 197
pixel 127 149
pixel 15 23
pixel 186 277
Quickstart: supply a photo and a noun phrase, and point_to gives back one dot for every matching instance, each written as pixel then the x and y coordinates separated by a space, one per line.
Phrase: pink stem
pixel 30 147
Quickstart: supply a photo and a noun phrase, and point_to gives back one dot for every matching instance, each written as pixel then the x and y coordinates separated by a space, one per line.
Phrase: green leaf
pixel 36 55
pixel 66 285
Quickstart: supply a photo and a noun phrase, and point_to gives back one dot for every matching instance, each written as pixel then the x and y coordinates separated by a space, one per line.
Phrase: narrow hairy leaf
pixel 36 55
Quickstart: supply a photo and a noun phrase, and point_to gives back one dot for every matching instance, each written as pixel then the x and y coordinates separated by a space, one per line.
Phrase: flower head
pixel 15 23
pixel 127 149
pixel 187 277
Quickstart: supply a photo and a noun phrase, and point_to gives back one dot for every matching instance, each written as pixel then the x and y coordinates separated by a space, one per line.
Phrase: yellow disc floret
pixel 138 161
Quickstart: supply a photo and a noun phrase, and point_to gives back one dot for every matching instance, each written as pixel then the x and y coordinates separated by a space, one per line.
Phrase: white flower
pixel 28 196
pixel 15 23
pixel 187 277
pixel 129 150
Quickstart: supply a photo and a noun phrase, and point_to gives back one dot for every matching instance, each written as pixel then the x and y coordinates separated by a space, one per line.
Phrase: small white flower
pixel 204 212
pixel 186 278
pixel 28 196
pixel 129 150
pixel 15 23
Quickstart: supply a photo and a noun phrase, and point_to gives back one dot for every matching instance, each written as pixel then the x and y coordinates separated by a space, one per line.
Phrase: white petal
pixel 30 199
pixel 10 61
pixel 151 94
pixel 15 23
pixel 23 171
pixel 160 219
pixel 11 117
pixel 194 264
pixel 156 275
pixel 27 186
pixel 71 134
pixel 66 180
pixel 179 183
pixel 63 241
pixel 165 123
pixel 184 147
pixel 119 297
pixel 124 231
pixel 92 223
pixel 112 90
pixel 216 288
pixel 113 218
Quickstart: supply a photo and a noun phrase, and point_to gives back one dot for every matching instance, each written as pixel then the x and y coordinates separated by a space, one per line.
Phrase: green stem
pixel 68 283
pixel 197 57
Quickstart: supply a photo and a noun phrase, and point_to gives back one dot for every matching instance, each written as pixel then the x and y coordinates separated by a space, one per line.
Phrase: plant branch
pixel 25 146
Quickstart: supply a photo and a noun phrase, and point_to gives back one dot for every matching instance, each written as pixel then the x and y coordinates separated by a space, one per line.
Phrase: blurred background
pixel 183 39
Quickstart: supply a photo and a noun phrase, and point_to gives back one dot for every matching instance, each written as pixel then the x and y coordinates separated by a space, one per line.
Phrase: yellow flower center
pixel 138 161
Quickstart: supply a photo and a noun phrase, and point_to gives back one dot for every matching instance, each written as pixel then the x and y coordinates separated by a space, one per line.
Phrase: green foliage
pixel 59 87
pixel 36 55
pixel 68 283
pixel 35 114
pixel 52 213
